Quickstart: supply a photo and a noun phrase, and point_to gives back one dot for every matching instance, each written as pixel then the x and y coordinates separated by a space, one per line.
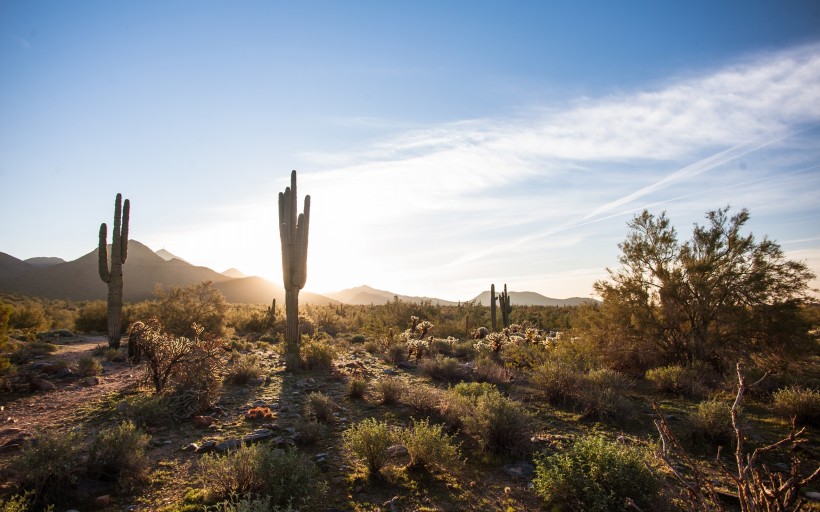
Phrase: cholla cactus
pixel 113 275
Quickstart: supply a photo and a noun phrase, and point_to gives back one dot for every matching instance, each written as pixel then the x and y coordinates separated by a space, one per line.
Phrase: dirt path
pixel 24 412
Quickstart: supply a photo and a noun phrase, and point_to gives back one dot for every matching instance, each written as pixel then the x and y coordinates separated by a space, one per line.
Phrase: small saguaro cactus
pixel 493 300
pixel 113 276
pixel 506 307
pixel 293 233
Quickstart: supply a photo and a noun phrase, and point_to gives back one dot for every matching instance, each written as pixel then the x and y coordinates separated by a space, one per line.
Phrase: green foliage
pixel 442 368
pixel 595 475
pixel 390 389
pixel 320 406
pixel 317 354
pixel 244 369
pixel 28 315
pixel 148 410
pixel 248 503
pixel 178 308
pixel 88 365
pixel 356 387
pixel 16 503
pixel 119 453
pixel 428 445
pixel 799 403
pixel 713 298
pixel 92 317
pixel 368 441
pixel 692 380
pixel 713 420
pixel 501 425
pixel 283 476
pixel 48 466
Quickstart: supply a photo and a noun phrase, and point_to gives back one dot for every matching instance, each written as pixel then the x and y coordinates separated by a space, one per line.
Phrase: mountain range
pixel 54 278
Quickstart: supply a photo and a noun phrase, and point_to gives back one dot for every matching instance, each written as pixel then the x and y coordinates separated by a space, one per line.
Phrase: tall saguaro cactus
pixel 293 232
pixel 493 300
pixel 506 307
pixel 113 276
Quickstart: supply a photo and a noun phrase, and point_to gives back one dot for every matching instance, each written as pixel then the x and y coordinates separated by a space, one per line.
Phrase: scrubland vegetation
pixel 693 385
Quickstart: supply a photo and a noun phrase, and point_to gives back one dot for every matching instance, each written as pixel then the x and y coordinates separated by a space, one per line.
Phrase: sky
pixel 446 145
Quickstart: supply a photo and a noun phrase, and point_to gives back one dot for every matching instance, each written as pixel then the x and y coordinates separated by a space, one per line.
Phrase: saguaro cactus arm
pixel 102 253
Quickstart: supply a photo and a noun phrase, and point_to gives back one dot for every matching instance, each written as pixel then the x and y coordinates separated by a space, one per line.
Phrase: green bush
pixel 443 368
pixel 118 453
pixel 88 365
pixel 390 389
pixel 369 441
pixel 248 503
pixel 16 503
pixel 799 403
pixel 501 425
pixel 320 406
pixel 48 466
pixel 356 387
pixel 92 317
pixel 147 410
pixel 281 475
pixel 713 420
pixel 310 431
pixel 317 354
pixel 428 445
pixel 691 381
pixel 178 308
pixel 595 475
pixel 244 369
pixel 424 399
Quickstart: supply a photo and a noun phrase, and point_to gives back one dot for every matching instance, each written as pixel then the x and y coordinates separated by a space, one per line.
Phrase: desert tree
pixel 715 296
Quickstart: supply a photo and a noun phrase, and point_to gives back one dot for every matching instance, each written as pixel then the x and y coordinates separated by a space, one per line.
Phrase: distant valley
pixel 54 278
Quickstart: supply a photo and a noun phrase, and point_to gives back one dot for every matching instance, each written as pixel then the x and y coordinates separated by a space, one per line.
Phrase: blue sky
pixel 446 145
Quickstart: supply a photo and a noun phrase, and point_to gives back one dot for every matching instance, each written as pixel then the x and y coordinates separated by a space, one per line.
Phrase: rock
pixel 206 447
pixel 228 445
pixel 41 385
pixel 813 496
pixel 388 371
pixel 406 365
pixel 519 469
pixel 397 450
pixel 93 380
pixel 257 435
pixel 102 501
pixel 63 373
pixel 203 421
pixel 191 447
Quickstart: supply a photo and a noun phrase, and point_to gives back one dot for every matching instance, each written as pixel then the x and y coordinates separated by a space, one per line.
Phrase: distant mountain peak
pixel 44 261
pixel 168 256
pixel 234 273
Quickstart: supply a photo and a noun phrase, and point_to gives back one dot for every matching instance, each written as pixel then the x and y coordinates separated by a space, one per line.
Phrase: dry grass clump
pixel 320 407
pixel 713 420
pixel 48 466
pixel 390 390
pixel 245 368
pixel 317 354
pixel 597 393
pixel 429 446
pixel 799 403
pixel 694 380
pixel 443 368
pixel 88 366
pixel 369 441
pixel 424 399
pixel 119 453
pixel 356 387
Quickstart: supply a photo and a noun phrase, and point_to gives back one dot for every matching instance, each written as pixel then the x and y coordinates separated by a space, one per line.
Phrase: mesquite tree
pixel 293 233
pixel 113 276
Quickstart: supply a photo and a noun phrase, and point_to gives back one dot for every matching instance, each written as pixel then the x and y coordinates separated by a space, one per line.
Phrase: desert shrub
pixel 423 399
pixel 236 472
pixel 118 453
pixel 356 387
pixel 287 475
pixel 48 466
pixel 369 441
pixel 113 354
pixel 88 365
pixel 310 431
pixel 557 381
pixel 244 369
pixel 248 503
pixel 390 390
pixel 320 406
pixel 799 403
pixel 357 338
pixel 179 308
pixel 600 393
pixel 713 420
pixel 501 425
pixel 464 349
pixel 147 410
pixel 395 353
pixel 595 475
pixel 317 354
pixel 524 355
pixel 28 315
pixel 29 350
pixel 92 317
pixel 16 503
pixel 443 368
pixel 692 381
pixel 487 370
pixel 428 445
pixel 373 346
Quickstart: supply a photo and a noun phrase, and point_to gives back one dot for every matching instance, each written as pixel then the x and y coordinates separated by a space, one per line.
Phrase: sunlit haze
pixel 445 145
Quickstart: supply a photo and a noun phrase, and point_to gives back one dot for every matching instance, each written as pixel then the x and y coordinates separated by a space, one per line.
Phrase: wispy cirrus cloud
pixel 463 198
